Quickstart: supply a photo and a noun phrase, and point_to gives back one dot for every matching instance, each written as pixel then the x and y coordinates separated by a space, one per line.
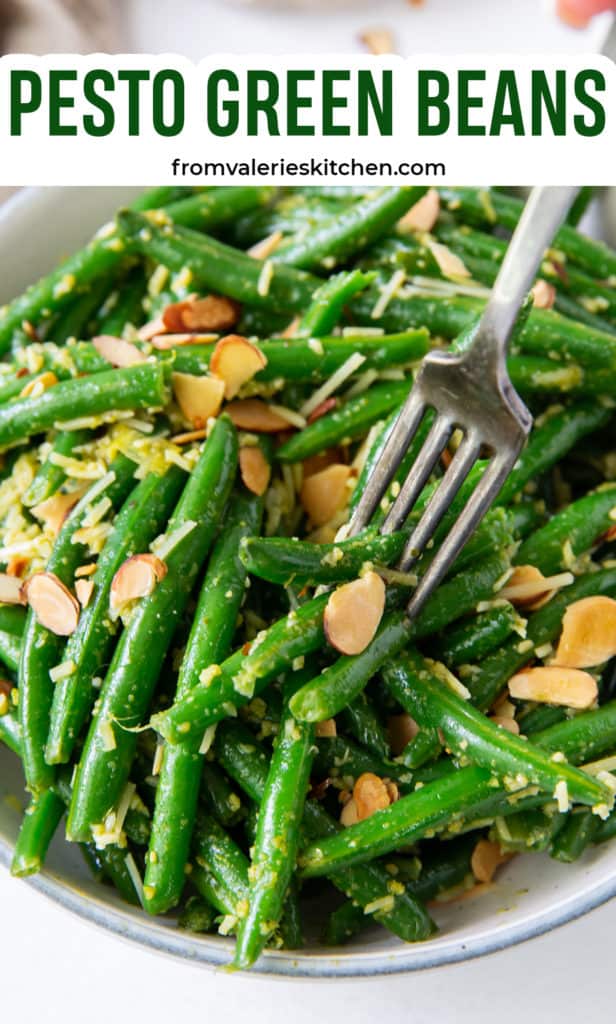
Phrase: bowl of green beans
pixel 220 735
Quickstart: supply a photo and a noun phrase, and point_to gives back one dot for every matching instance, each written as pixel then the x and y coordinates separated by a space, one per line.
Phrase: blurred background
pixel 198 27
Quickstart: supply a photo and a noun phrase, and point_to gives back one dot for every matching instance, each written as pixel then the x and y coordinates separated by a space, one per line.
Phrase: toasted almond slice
pixel 53 511
pixel 527 587
pixel 589 633
pixel 568 687
pixel 505 722
pixel 163 342
pixel 85 570
pixel 136 577
pixel 212 313
pixel 450 265
pixel 348 814
pixel 84 590
pixel 53 604
pixel 117 351
pixel 151 329
pixel 543 294
pixel 423 215
pixel 401 729
pixel 291 329
pixel 326 728
pixel 315 463
pixel 486 858
pixel 39 384
pixel 189 435
pixel 325 492
pixel 255 470
pixel 261 250
pixel 198 397
pixel 370 794
pixel 377 41
pixel 256 416
pixel 11 590
pixel 353 613
pixel 235 360
pixel 16 565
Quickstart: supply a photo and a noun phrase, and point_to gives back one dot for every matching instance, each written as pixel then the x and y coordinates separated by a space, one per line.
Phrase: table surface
pixel 57 968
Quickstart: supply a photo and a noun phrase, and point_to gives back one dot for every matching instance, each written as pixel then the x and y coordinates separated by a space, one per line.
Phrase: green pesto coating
pixel 577 528
pixel 38 828
pixel 328 302
pixel 470 640
pixel 205 211
pixel 128 686
pixel 142 517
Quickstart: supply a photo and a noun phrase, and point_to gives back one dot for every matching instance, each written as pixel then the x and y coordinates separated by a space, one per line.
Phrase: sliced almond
pixel 486 858
pixel 401 729
pixel 325 492
pixel 199 398
pixel 291 329
pixel 543 293
pixel 189 436
pixel 117 351
pixel 370 794
pixel 507 723
pixel 151 329
pixel 261 250
pixel 353 613
pixel 423 215
pixel 568 687
pixel 255 470
pixel 322 408
pixel 527 587
pixel 84 590
pixel 163 342
pixel 136 578
pixel 588 635
pixel 326 728
pixel 212 313
pixel 235 360
pixel 16 565
pixel 377 41
pixel 450 265
pixel 53 511
pixel 348 814
pixel 43 382
pixel 53 604
pixel 315 463
pixel 11 590
pixel 256 416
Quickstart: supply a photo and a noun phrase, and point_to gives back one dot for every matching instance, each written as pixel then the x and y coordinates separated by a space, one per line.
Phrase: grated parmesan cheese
pixel 338 378
pixel 265 278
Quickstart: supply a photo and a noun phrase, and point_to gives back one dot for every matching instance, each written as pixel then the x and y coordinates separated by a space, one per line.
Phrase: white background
pixel 56 968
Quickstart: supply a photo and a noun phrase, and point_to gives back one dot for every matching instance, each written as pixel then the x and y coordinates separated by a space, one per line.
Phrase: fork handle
pixel 544 212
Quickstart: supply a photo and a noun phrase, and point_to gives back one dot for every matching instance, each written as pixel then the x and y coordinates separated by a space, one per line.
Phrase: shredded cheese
pixel 349 367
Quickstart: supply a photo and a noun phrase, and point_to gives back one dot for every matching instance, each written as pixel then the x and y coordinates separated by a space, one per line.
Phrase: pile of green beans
pixel 174 693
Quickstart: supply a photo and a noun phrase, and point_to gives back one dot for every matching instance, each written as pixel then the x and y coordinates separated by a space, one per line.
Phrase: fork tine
pixel 474 510
pixel 434 444
pixel 457 472
pixel 399 438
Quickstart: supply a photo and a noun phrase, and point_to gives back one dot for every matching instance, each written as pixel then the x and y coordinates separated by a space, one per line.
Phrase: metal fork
pixel 469 391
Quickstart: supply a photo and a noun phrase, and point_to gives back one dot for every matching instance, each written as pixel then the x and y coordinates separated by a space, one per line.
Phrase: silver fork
pixel 470 391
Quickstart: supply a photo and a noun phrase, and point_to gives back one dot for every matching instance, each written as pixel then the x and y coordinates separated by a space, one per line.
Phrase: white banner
pixel 154 120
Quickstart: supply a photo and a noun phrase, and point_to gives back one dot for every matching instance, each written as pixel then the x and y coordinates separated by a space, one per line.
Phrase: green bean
pixel 219 797
pixel 197 916
pixel 528 830
pixel 127 307
pixel 536 375
pixel 349 230
pixel 113 861
pixel 205 211
pixel 12 624
pixel 10 731
pixel 569 533
pixel 181 770
pixel 127 689
pixel 423 748
pixel 360 719
pixel 543 627
pixel 338 757
pixel 335 687
pixel 559 431
pixel 351 420
pixel 135 387
pixel 370 885
pixel 244 676
pixel 277 840
pixel 50 476
pixel 468 732
pixel 154 198
pixel 328 302
pixel 540 717
pixel 290 214
pixel 585 737
pixel 219 267
pixel 579 831
pixel 472 639
pixel 142 517
pixel 38 828
pixel 220 856
pixel 489 207
pixel 41 649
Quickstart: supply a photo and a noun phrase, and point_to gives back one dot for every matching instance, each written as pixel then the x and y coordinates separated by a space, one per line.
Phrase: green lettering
pixel 332 102
pixel 432 99
pixel 466 102
pixel 597 124
pixel 370 101
pixel 163 82
pixel 295 102
pixel 58 102
pixel 19 104
pixel 134 78
pixel 266 104
pixel 507 108
pixel 215 106
pixel 543 101
pixel 90 83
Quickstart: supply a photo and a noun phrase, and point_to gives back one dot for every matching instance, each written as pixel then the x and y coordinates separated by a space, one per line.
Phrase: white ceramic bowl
pixel 533 894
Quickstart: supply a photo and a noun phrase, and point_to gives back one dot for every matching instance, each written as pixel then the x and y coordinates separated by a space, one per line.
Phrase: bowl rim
pixel 214 951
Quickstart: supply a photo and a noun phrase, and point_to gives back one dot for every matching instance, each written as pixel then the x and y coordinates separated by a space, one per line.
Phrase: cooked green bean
pixel 51 475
